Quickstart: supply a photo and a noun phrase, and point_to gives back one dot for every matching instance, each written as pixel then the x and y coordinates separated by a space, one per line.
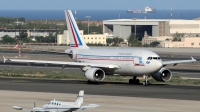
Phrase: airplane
pixel 97 63
pixel 61 106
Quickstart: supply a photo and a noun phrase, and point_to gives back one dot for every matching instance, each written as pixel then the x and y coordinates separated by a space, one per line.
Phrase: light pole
pixel 88 17
pixel 135 25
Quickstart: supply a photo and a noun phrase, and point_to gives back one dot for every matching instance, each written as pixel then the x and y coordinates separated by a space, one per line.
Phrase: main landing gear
pixel 134 80
pixel 146 82
pixel 137 81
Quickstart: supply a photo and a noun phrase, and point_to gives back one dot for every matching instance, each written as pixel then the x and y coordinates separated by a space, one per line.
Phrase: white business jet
pixel 97 63
pixel 60 106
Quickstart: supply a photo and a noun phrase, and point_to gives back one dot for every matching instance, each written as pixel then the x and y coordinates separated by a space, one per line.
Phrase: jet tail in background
pixel 79 100
pixel 76 40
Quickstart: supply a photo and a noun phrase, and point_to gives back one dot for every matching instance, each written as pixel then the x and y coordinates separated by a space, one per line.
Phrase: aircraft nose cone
pixel 159 65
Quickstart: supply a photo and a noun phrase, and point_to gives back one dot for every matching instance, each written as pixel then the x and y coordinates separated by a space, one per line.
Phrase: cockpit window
pixel 149 58
pixel 155 58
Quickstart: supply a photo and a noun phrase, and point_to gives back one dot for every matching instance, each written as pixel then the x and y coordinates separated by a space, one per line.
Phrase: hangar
pixel 154 27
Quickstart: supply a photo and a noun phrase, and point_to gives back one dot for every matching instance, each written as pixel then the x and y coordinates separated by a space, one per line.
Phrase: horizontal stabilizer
pixel 89 106
pixel 17 107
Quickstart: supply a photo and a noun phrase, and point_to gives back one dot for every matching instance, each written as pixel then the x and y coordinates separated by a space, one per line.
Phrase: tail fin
pixel 76 41
pixel 79 99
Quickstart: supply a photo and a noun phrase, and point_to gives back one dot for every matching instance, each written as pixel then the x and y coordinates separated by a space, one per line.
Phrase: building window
pixel 95 37
pixel 91 38
pixel 99 37
pixel 192 43
pixel 88 38
pixel 199 43
pixel 84 37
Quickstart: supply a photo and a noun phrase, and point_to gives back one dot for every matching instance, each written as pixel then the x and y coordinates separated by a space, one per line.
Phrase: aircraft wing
pixel 178 61
pixel 89 106
pixel 54 52
pixel 111 66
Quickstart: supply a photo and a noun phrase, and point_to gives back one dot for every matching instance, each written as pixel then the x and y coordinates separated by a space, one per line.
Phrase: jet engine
pixel 95 74
pixel 162 75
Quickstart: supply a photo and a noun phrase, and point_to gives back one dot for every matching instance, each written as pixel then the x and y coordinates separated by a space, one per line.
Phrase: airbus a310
pixel 97 63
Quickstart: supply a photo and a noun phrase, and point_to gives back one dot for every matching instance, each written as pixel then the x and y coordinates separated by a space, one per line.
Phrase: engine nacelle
pixel 162 75
pixel 95 74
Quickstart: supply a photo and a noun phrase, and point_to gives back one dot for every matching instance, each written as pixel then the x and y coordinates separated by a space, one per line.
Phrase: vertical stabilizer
pixel 76 40
pixel 79 99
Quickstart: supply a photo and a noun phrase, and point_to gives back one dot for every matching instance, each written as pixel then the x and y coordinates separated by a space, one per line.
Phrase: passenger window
pixel 150 58
pixel 158 58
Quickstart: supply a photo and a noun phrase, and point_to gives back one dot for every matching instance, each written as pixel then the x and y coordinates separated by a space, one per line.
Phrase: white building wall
pixel 184 26
pixel 90 39
pixel 11 34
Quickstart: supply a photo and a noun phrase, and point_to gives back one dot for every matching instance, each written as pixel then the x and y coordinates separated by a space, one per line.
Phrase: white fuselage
pixel 131 61
pixel 58 106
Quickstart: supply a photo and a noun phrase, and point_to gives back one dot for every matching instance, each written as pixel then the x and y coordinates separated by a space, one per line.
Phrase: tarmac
pixel 112 97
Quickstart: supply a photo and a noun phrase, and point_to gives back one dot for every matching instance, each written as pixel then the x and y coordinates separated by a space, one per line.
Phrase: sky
pixel 98 4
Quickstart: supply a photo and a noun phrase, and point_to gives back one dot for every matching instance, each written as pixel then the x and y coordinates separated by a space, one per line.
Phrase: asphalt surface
pixel 105 88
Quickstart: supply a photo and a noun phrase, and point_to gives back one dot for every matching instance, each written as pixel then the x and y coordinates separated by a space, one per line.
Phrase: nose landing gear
pixel 146 82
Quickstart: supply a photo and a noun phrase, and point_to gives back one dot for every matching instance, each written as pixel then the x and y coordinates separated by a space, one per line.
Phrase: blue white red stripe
pixel 74 32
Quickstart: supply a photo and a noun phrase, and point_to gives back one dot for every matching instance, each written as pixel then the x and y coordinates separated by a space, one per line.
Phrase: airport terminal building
pixel 154 27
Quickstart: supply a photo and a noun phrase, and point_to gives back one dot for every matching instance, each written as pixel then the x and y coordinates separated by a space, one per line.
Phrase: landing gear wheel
pixel 130 81
pixel 90 82
pixel 137 81
pixel 134 80
pixel 145 83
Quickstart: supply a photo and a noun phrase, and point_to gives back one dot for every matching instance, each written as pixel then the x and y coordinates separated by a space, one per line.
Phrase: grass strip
pixel 176 80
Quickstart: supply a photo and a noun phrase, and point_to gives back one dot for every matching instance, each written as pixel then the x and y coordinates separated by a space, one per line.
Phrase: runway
pixel 158 91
